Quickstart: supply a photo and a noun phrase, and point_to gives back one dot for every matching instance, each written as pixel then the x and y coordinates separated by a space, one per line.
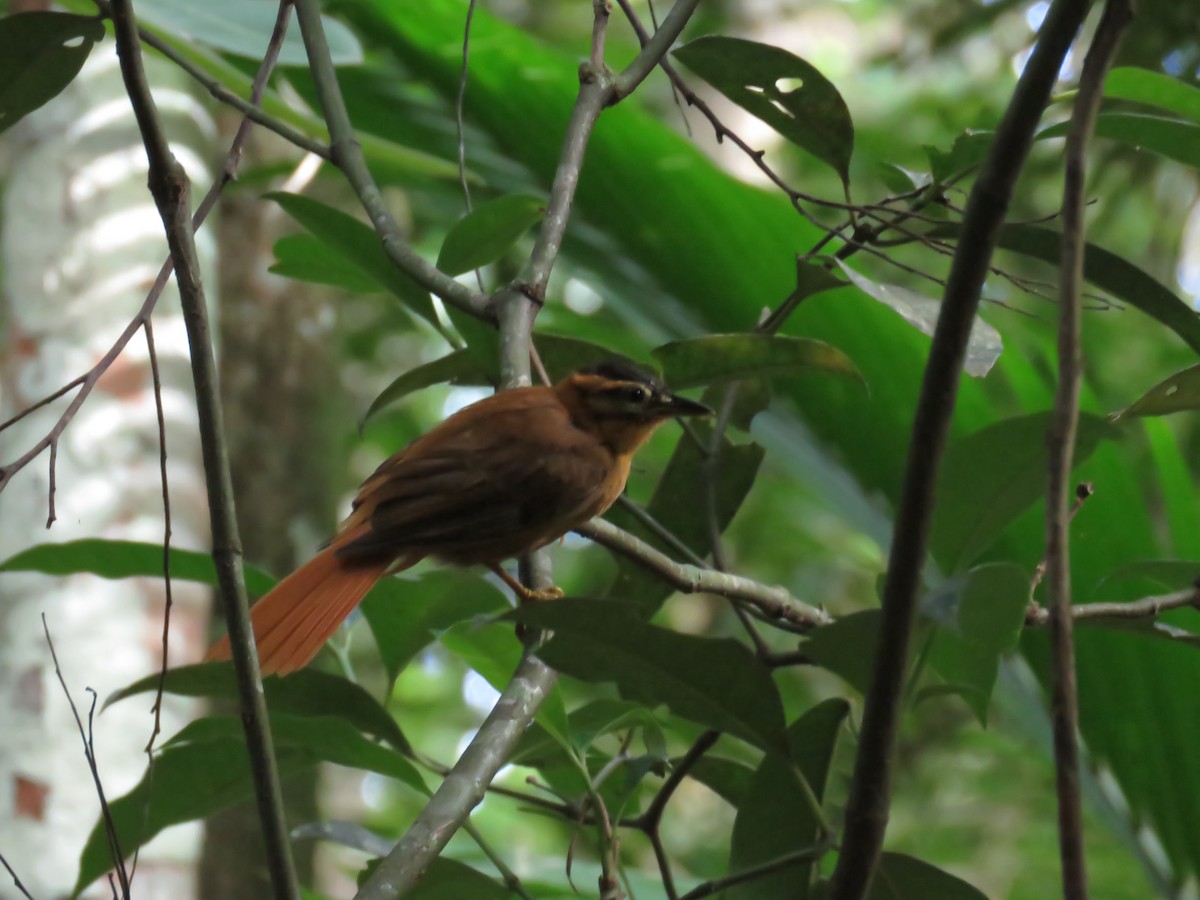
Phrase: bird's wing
pixel 482 489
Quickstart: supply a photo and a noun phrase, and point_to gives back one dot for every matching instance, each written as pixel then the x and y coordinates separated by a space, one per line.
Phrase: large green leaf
pixel 306 692
pixel 307 258
pixel 488 232
pixel 902 877
pixel 776 816
pixel 990 477
pixel 716 682
pixel 1177 393
pixel 1154 89
pixel 1169 138
pixel 780 88
pixel 125 559
pixel 722 357
pixel 40 54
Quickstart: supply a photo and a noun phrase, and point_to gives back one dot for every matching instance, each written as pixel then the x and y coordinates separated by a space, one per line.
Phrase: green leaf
pixel 981 613
pixel 984 345
pixel 775 817
pixel 966 154
pixel 40 54
pixel 405 614
pixel 306 692
pixel 243 29
pixel 992 476
pixel 306 258
pixel 716 682
pixel 902 877
pixel 190 781
pixel 847 647
pixel 722 357
pixel 125 559
pixel 458 368
pixel 1168 574
pixel 360 245
pixel 759 77
pixel 604 716
pixel 1175 394
pixel 329 738
pixel 489 231
pixel 1169 138
pixel 1153 89
pixel 727 778
pixel 449 879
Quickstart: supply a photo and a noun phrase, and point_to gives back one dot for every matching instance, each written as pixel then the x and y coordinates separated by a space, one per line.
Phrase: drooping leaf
pixel 902 877
pixel 1175 394
pixel 329 738
pixel 981 613
pixel 190 781
pixel 360 245
pixel 760 78
pixel 1154 89
pixel 40 54
pixel 306 258
pixel 722 357
pixel 966 153
pixel 716 682
pixel 604 716
pixel 306 692
pixel 486 233
pixel 125 559
pixel 775 817
pixel 457 367
pixel 992 476
pixel 984 345
pixel 405 614
pixel 241 28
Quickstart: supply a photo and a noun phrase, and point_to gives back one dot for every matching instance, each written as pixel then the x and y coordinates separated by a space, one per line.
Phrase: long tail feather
pixel 294 620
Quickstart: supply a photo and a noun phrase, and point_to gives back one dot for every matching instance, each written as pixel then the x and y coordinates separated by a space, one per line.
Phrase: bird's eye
pixel 634 394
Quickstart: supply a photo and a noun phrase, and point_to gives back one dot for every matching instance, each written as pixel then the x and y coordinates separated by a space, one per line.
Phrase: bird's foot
pixel 527 594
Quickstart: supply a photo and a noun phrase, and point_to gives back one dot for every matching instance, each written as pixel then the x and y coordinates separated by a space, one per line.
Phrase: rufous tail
pixel 294 620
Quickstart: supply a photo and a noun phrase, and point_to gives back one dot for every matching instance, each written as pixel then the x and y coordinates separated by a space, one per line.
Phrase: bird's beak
pixel 674 405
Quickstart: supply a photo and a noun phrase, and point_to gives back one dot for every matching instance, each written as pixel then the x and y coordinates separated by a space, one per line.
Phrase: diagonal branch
pixel 1064 705
pixel 170 188
pixel 867 807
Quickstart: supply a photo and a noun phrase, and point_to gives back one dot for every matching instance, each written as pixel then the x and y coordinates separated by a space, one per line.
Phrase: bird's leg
pixel 526 594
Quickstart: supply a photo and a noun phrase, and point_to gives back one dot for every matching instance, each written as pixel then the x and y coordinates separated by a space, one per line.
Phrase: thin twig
pixel 511 881
pixel 170 186
pixel 1099 613
pixel 16 881
pixel 168 601
pixel 773 602
pixel 1064 703
pixel 110 828
pixel 869 800
pixel 795 858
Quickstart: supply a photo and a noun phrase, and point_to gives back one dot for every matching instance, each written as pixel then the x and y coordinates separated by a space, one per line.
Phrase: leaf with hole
pixel 1178 393
pixel 715 682
pixel 40 54
pixel 489 231
pixel 780 88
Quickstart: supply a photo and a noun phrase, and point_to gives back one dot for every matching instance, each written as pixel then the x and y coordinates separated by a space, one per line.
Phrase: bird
pixel 499 478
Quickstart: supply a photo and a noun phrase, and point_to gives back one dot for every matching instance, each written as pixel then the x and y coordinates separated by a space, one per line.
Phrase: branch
pixel 867 806
pixel 170 188
pixel 1145 608
pixel 348 156
pixel 774 602
pixel 1064 704
pixel 795 858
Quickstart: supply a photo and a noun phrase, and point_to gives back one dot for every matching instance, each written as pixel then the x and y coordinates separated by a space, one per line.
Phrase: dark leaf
pixel 40 54
pixel 901 877
pixel 724 357
pixel 716 682
pixel 992 476
pixel 727 778
pixel 1175 394
pixel 457 367
pixel 759 78
pixel 488 232
pixel 847 647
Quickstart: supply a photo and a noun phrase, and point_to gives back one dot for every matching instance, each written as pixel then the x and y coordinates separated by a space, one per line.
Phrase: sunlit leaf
pixel 40 54
pixel 1169 138
pixel 984 345
pixel 1175 394
pixel 488 232
pixel 306 258
pixel 716 682
pixel 990 477
pixel 1154 89
pixel 783 90
pixel 720 357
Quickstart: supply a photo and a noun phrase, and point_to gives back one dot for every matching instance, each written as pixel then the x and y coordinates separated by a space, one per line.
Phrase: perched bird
pixel 499 478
